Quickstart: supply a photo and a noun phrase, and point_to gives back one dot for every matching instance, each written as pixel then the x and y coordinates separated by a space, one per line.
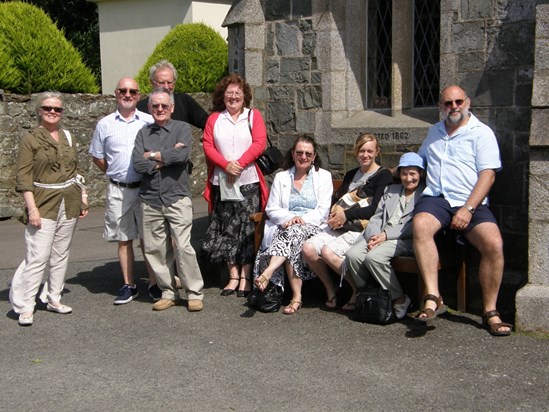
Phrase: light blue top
pixel 113 140
pixel 304 201
pixel 454 162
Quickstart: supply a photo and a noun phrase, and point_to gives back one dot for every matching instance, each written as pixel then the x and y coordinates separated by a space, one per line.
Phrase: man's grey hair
pixel 162 64
pixel 161 90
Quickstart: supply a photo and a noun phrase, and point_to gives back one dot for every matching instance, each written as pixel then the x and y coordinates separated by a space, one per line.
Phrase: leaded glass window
pixel 426 52
pixel 379 54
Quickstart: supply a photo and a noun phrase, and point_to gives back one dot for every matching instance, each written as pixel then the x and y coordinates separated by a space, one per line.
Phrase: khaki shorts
pixel 337 241
pixel 122 214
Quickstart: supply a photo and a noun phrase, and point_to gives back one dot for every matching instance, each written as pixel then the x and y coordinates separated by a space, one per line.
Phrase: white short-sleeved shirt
pixel 454 162
pixel 113 140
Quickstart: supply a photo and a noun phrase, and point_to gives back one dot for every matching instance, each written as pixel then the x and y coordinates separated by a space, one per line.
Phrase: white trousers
pixel 49 244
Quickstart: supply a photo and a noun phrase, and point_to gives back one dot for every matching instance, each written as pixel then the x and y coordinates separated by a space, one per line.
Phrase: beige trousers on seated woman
pixel 51 243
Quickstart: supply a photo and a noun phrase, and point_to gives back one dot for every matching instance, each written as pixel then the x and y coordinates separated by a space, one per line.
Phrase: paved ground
pixel 105 357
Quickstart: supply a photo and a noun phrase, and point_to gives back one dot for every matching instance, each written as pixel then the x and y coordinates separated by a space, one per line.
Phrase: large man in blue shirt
pixel 462 158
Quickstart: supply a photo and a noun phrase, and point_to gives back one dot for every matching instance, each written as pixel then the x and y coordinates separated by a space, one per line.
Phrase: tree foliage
pixel 79 20
pixel 199 54
pixel 35 54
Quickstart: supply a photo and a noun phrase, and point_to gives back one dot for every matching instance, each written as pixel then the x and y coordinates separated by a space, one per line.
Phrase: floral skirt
pixel 288 243
pixel 230 235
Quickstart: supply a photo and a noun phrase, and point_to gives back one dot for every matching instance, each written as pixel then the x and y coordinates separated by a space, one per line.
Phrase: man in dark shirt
pixel 161 154
pixel 163 74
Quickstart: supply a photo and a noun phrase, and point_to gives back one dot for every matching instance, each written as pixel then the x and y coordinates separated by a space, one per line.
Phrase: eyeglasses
pixel 458 102
pixel 233 94
pixel 50 108
pixel 164 83
pixel 300 153
pixel 123 91
pixel 160 106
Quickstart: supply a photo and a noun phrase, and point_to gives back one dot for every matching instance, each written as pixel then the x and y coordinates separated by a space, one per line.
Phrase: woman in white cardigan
pixel 298 206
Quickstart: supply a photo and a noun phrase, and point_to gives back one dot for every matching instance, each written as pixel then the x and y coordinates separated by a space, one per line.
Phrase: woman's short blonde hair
pixel 50 94
pixel 365 138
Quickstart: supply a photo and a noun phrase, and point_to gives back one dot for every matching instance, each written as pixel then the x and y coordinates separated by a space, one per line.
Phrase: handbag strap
pixel 250 126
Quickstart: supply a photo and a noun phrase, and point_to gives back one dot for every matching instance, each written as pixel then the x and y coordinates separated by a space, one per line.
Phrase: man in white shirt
pixel 111 148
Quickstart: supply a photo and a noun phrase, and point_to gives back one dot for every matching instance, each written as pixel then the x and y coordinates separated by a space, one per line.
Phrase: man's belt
pixel 128 185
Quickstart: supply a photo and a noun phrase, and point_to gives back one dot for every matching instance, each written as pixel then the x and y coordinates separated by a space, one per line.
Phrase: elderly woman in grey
pixel 55 196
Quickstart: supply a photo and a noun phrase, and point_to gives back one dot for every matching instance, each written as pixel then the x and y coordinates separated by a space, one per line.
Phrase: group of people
pixel 144 148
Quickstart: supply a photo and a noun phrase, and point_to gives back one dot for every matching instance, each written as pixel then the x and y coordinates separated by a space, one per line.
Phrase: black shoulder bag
pixel 271 159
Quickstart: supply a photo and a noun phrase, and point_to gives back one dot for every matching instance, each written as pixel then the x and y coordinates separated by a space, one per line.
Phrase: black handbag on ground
pixel 267 301
pixel 374 305
pixel 271 159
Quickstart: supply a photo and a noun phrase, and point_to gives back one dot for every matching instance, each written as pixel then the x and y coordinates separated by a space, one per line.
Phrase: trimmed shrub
pixel 36 56
pixel 199 54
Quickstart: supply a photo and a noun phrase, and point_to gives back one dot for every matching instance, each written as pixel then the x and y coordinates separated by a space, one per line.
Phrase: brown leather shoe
pixel 163 304
pixel 194 305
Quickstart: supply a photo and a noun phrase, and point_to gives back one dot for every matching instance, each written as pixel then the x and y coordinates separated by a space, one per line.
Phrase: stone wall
pixel 533 300
pixel 82 111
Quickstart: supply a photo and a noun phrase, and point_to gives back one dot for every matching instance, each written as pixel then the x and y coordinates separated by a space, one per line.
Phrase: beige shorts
pixel 338 242
pixel 122 214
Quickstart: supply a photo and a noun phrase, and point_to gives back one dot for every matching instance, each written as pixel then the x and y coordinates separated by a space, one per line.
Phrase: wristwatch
pixel 471 209
pixel 152 155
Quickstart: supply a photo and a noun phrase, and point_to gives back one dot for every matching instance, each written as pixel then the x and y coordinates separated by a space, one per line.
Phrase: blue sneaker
pixel 126 294
pixel 155 293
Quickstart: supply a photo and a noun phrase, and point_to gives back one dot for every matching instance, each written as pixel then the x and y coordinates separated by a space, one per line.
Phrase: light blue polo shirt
pixel 454 162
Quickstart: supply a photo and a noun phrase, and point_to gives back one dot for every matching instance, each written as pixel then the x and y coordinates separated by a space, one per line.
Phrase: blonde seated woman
pixel 326 249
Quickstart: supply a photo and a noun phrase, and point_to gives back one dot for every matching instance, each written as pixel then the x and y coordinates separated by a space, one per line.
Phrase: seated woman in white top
pixel 298 205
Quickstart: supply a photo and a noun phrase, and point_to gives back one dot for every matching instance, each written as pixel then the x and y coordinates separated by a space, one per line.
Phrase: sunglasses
pixel 300 153
pixel 160 106
pixel 50 108
pixel 123 91
pixel 458 102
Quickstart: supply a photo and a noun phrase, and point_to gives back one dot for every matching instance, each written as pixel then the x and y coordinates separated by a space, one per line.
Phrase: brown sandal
pixel 290 310
pixel 349 307
pixel 429 313
pixel 331 304
pixel 493 327
pixel 261 282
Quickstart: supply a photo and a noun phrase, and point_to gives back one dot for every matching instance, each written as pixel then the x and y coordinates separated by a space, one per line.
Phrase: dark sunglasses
pixel 160 106
pixel 50 108
pixel 123 91
pixel 449 103
pixel 300 153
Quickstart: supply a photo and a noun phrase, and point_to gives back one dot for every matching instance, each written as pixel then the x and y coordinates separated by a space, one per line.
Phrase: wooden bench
pixel 401 264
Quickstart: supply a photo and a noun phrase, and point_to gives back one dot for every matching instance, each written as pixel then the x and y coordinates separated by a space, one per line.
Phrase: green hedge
pixel 199 54
pixel 36 56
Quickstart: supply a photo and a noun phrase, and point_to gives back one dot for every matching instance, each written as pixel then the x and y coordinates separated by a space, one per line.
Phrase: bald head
pixel 454 107
pixel 127 95
pixel 451 90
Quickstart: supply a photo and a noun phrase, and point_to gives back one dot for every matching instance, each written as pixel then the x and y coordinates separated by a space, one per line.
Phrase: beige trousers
pixel 167 242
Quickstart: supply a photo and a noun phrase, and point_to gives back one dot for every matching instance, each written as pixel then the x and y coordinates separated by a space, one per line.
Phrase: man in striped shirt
pixel 111 148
